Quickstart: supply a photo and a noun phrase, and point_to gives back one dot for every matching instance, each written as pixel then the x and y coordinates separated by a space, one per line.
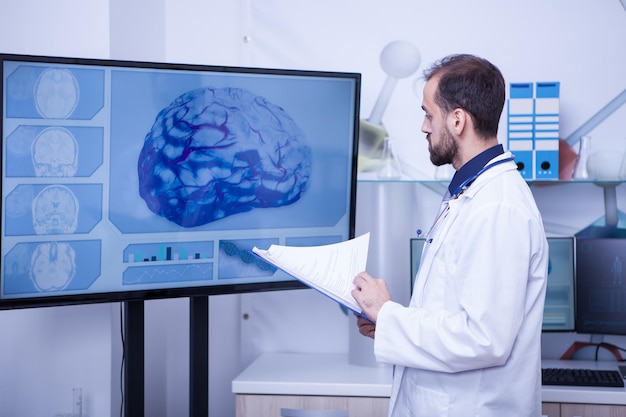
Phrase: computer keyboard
pixel 581 377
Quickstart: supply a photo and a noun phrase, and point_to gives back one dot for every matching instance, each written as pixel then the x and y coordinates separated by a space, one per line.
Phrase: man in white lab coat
pixel 468 344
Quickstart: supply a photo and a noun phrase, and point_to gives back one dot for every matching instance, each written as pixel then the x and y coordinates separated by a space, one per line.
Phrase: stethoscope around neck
pixel 457 193
pixel 465 184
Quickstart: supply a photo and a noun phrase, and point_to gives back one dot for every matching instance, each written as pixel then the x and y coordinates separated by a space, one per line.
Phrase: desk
pixel 298 380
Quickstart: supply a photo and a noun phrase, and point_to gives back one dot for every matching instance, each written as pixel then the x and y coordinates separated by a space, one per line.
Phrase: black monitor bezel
pixel 222 289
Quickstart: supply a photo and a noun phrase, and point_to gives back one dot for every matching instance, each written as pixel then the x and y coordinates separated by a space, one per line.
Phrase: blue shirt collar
pixel 474 165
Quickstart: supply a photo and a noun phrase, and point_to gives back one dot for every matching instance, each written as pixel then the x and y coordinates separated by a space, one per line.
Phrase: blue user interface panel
pixel 119 177
pixel 559 307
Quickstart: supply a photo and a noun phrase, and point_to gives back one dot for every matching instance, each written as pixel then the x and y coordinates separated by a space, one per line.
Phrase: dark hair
pixel 473 84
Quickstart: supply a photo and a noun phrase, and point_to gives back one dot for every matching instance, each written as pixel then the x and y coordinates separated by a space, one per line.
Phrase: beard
pixel 445 151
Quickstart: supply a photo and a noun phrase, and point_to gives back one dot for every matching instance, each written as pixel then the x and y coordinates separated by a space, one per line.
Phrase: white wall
pixel 63 27
pixel 579 43
pixel 46 353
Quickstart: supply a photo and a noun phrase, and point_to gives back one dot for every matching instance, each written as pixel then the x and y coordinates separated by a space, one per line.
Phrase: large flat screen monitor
pixel 601 286
pixel 131 180
pixel 559 307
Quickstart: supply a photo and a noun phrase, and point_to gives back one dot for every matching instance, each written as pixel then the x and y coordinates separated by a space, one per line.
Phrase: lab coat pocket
pixel 428 403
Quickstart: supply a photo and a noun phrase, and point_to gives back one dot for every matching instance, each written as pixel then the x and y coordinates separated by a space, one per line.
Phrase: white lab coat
pixel 468 345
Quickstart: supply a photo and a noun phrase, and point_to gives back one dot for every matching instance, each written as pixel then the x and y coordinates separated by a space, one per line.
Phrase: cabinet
pixel 592 410
pixel 270 405
pixel 582 410
pixel 551 410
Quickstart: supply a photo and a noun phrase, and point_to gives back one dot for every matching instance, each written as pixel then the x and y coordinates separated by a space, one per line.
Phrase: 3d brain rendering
pixel 215 152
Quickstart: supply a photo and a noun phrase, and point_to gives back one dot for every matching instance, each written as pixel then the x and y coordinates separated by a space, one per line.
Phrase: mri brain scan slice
pixel 52 266
pixel 56 93
pixel 55 153
pixel 55 211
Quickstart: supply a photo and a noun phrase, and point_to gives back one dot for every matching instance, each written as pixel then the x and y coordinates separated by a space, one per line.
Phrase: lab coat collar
pixel 491 173
pixel 450 204
pixel 473 166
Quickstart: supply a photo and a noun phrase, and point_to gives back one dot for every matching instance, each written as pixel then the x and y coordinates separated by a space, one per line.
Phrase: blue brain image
pixel 215 152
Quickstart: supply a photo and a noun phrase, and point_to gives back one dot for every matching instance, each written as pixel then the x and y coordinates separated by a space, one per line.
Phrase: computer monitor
pixel 559 303
pixel 601 286
pixel 128 180
pixel 559 307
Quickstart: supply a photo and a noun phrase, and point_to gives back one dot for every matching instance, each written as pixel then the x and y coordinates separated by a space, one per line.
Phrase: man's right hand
pixel 366 327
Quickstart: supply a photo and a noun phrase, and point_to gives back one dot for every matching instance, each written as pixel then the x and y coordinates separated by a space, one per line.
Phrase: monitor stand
pixel 199 356
pixel 133 359
pixel 134 372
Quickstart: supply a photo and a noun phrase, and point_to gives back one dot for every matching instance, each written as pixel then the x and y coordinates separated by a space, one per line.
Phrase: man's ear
pixel 457 121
